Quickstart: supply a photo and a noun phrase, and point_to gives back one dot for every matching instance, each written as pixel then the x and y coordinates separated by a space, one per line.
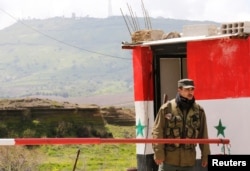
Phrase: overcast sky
pixel 212 10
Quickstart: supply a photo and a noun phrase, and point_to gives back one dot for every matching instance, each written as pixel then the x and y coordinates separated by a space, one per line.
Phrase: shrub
pixel 16 158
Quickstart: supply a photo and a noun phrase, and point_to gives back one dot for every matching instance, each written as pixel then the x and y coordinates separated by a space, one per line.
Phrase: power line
pixel 62 42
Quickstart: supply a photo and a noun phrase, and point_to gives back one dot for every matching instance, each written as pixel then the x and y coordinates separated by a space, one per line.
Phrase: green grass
pixel 92 157
pixel 101 157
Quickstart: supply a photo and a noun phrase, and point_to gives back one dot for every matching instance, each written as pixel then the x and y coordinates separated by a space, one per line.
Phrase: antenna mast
pixel 110 9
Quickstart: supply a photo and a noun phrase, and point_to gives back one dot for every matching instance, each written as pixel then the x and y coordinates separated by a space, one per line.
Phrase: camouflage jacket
pixel 172 123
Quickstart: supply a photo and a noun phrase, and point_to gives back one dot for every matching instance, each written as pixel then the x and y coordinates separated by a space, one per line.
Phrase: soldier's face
pixel 187 93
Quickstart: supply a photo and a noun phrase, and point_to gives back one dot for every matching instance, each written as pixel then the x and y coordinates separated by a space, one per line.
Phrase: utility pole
pixel 110 9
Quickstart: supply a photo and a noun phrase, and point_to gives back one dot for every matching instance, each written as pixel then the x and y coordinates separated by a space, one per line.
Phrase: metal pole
pixel 78 153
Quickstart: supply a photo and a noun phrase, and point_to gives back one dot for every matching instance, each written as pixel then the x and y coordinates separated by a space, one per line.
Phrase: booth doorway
pixel 170 65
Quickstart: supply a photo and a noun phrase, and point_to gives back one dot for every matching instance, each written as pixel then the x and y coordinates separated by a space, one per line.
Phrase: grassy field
pixel 98 157
pixel 102 157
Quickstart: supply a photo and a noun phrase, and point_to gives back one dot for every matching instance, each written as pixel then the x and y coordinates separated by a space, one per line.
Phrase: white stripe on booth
pixel 144 116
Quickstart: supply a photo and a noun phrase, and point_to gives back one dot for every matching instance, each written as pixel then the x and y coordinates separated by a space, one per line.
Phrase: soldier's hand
pixel 158 161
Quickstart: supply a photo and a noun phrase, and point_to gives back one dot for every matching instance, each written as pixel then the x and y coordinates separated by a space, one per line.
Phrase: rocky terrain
pixel 111 114
pixel 35 117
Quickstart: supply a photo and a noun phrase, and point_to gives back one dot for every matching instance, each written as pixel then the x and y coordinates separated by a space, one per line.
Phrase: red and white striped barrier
pixel 51 141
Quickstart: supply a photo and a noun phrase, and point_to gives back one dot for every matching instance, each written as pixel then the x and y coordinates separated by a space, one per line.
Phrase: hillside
pixel 34 117
pixel 70 58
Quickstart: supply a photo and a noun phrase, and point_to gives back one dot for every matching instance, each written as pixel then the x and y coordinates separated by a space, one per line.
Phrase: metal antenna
pixel 130 22
pixel 110 9
pixel 137 21
pixel 132 17
pixel 146 18
pixel 144 14
pixel 126 22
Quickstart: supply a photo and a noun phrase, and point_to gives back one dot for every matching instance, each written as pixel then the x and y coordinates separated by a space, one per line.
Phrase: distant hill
pixel 70 57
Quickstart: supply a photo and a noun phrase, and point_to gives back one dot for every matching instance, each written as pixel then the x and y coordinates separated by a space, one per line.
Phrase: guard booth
pixel 218 60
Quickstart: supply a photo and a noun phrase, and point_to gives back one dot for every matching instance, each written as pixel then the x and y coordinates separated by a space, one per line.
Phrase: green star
pixel 220 129
pixel 139 128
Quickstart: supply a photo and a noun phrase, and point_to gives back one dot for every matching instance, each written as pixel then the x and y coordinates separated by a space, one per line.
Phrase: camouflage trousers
pixel 166 167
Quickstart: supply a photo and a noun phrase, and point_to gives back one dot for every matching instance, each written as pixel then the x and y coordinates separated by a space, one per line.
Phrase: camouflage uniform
pixel 171 122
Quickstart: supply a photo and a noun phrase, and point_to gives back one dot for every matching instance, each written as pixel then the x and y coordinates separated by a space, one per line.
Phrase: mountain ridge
pixel 70 57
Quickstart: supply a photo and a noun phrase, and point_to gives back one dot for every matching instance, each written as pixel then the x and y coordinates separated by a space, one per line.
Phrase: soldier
pixel 178 118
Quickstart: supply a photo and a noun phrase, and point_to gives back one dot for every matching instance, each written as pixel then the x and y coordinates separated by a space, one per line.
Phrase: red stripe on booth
pixel 220 68
pixel 143 78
